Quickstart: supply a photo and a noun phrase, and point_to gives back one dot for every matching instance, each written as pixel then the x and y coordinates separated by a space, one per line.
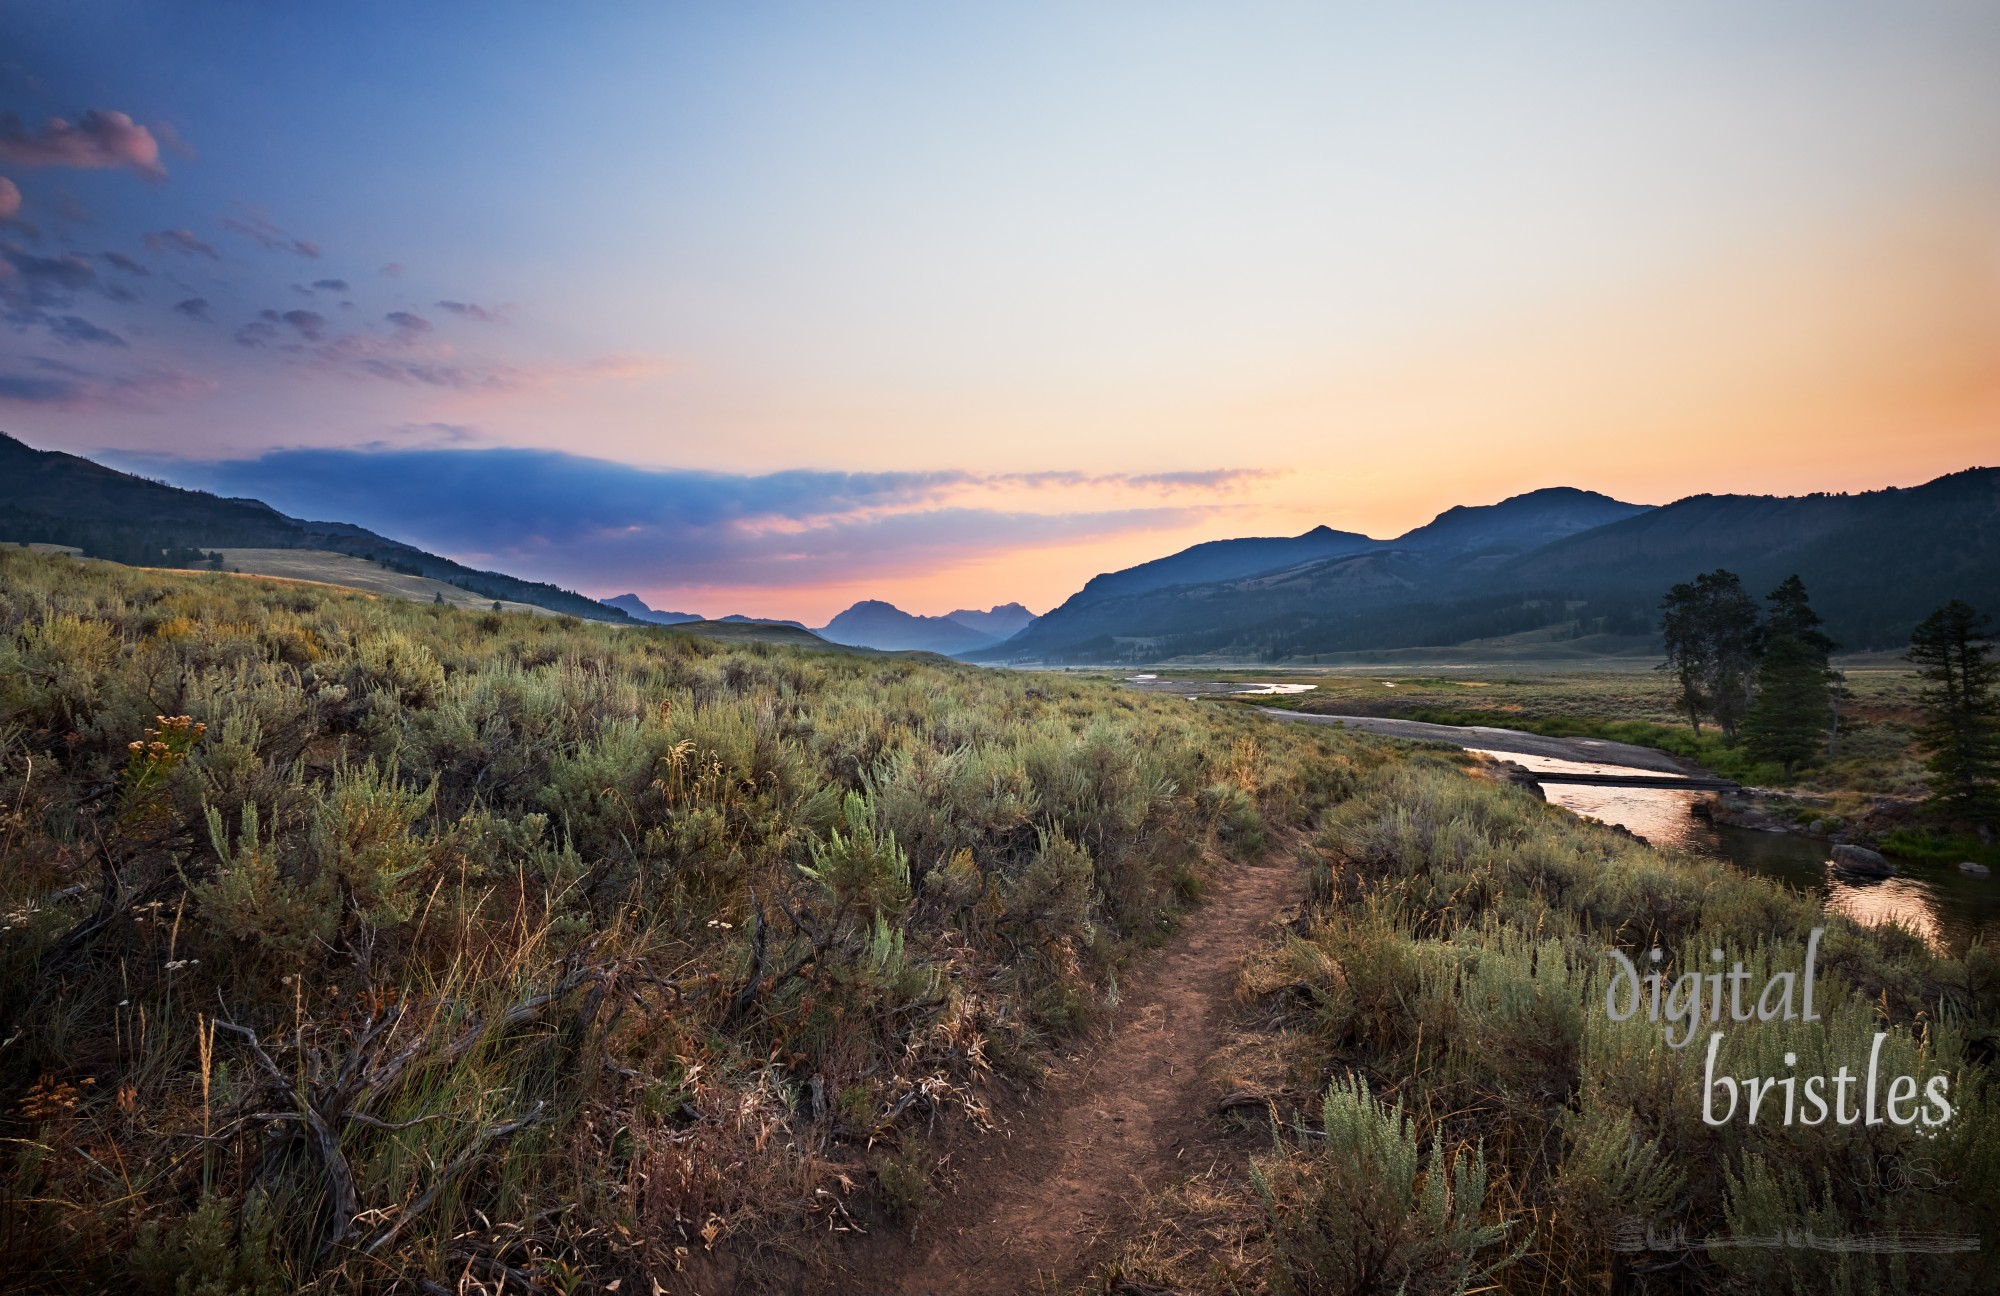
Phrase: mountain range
pixel 1558 561
pixel 1875 562
pixel 872 623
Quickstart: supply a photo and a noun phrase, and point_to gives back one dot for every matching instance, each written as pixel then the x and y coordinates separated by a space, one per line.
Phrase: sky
pixel 766 308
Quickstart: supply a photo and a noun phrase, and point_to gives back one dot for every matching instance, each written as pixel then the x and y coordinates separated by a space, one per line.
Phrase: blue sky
pixel 1370 260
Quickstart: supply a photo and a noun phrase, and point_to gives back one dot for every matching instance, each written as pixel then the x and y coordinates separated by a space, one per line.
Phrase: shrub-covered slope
pixel 356 942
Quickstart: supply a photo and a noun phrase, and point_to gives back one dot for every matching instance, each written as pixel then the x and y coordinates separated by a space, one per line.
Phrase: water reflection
pixel 1940 905
pixel 1663 816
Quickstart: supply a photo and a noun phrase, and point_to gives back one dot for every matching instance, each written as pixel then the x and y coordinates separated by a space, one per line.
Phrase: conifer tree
pixel 1712 632
pixel 1793 707
pixel 1953 653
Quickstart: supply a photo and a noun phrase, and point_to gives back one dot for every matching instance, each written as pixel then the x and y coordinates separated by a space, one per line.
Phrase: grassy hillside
pixel 646 950
pixel 360 944
pixel 329 568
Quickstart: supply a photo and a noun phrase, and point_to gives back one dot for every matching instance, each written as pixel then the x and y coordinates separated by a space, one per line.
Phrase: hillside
pixel 1518 524
pixel 324 567
pixel 1220 560
pixel 51 497
pixel 1875 563
pixel 741 629
pixel 1259 590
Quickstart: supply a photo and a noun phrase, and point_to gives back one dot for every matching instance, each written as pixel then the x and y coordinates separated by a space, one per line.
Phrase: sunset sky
pixel 766 308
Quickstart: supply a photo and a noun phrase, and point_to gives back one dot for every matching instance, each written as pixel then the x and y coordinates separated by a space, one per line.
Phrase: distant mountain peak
pixel 1216 560
pixel 1519 523
pixel 635 607
pixel 1001 621
pixel 873 623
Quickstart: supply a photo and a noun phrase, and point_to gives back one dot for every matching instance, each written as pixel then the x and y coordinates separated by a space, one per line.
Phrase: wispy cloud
pixel 77 329
pixel 101 140
pixel 30 280
pixel 265 233
pixel 183 241
pixel 471 310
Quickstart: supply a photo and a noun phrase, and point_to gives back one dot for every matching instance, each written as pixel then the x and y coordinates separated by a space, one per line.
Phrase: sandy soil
pixel 1122 1117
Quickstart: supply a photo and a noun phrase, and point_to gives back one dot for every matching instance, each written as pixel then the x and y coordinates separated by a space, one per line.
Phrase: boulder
pixel 1971 869
pixel 1859 860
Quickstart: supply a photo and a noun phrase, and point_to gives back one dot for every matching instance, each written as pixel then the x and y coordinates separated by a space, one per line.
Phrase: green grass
pixel 1932 846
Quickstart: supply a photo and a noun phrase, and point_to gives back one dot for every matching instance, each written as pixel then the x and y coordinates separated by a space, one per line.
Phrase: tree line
pixel 1763 675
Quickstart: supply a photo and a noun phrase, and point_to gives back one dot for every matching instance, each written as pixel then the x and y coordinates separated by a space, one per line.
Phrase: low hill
pixel 748 630
pixel 55 498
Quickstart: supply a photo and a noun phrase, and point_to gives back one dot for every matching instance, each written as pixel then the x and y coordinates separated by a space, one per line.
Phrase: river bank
pixel 1771 833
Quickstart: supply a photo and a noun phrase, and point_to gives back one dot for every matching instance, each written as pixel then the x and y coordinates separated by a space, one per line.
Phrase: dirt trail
pixel 1126 1115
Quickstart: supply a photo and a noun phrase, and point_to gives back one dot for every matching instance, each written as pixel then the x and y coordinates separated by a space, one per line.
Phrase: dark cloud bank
pixel 596 524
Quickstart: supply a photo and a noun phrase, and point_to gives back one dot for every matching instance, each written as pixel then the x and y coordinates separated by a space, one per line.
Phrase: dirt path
pixel 1125 1116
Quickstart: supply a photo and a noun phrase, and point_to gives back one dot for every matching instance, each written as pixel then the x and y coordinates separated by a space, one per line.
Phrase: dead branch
pixel 485 1139
pixel 342 1199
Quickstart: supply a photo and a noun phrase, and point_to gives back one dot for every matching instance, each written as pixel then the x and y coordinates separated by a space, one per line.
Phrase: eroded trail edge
pixel 1125 1115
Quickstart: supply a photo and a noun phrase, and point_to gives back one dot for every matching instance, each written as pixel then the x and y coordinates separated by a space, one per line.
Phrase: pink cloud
pixel 103 140
pixel 10 199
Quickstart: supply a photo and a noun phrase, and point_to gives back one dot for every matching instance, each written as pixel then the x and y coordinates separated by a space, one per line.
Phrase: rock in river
pixel 1972 869
pixel 1861 861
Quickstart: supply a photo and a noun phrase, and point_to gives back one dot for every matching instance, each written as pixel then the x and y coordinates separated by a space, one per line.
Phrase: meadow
pixel 359 944
pixel 351 941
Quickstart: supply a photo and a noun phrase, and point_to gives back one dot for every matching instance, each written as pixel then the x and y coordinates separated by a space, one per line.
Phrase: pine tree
pixel 1794 699
pixel 1952 652
pixel 1713 633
